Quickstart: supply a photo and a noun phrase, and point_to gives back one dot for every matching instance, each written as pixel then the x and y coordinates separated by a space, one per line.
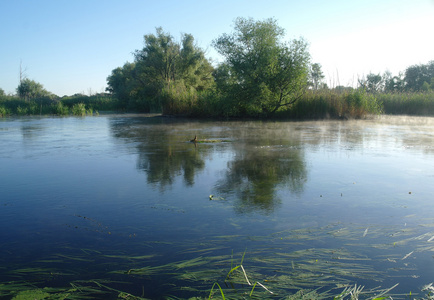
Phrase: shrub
pixel 79 109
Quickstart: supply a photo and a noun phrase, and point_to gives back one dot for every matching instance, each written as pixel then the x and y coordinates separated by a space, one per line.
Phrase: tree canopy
pixel 161 65
pixel 30 89
pixel 261 73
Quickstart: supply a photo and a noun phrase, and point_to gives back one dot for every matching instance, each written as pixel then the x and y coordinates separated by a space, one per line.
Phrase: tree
pixel 30 89
pixel 261 73
pixel 316 76
pixel 163 61
pixel 373 83
pixel 163 64
pixel 122 84
pixel 393 83
pixel 2 92
pixel 416 75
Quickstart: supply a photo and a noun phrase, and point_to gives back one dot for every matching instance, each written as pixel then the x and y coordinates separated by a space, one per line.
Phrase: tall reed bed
pixel 414 103
pixel 332 104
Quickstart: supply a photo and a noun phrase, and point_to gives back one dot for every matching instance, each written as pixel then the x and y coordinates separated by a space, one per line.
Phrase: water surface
pixel 125 203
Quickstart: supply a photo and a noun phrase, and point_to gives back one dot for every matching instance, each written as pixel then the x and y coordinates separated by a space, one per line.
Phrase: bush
pixel 4 111
pixel 79 109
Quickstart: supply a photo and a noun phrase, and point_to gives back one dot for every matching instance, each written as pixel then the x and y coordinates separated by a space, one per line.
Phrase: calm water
pixel 127 203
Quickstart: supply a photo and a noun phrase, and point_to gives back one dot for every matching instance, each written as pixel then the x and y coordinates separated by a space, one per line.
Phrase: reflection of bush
pixel 163 166
pixel 255 175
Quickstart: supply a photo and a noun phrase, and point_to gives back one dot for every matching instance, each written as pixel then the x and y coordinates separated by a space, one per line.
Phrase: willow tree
pixel 164 65
pixel 261 72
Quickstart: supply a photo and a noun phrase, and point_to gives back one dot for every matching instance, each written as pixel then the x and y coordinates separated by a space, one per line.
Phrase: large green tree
pixel 164 63
pixel 122 84
pixel 160 67
pixel 261 72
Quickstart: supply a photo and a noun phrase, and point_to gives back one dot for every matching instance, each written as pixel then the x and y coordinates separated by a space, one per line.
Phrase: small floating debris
pixel 366 232
pixel 196 140
pixel 407 255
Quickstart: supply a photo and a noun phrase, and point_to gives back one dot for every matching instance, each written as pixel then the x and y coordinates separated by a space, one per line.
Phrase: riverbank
pixel 314 105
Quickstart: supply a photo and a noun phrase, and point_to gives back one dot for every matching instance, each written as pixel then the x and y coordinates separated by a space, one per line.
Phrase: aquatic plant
pixel 414 103
pixel 79 109
pixel 4 111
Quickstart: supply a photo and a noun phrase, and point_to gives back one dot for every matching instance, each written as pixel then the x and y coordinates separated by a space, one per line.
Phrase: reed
pixel 414 103
pixel 333 104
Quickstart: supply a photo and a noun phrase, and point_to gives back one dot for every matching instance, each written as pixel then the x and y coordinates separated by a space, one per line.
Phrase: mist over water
pixel 128 198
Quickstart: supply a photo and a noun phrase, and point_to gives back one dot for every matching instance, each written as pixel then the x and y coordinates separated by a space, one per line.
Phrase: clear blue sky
pixel 71 46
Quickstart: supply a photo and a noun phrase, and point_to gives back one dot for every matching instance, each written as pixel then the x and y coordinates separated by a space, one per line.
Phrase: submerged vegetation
pixel 306 273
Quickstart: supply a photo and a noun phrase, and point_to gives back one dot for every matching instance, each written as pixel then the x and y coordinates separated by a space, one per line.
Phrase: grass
pixel 416 103
pixel 77 105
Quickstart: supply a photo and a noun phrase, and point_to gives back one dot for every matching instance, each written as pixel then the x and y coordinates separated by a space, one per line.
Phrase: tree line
pixel 261 75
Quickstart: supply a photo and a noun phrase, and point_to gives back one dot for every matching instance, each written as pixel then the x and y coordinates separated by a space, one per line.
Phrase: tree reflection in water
pixel 260 164
pixel 257 173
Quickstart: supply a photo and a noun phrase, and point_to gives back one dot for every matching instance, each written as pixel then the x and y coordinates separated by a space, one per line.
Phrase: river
pixel 117 205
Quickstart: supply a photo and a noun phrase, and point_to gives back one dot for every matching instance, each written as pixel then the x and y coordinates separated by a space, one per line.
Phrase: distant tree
pixel 261 73
pixel 2 92
pixel 393 83
pixel 416 75
pixel 373 83
pixel 30 89
pixel 316 76
pixel 343 89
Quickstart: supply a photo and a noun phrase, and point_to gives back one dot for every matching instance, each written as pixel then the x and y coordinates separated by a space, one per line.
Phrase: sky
pixel 72 46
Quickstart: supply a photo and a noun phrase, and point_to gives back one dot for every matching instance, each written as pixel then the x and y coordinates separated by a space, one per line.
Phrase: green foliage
pixel 261 73
pixel 335 104
pixel 60 109
pixel 316 76
pixel 79 109
pixel 421 103
pixel 4 111
pixel 123 85
pixel 417 75
pixel 30 89
pixel 373 83
pixel 101 102
pixel 165 73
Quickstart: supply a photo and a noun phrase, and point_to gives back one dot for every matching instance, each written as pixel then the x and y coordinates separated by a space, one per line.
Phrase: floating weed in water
pixel 366 232
pixel 142 257
pixel 407 255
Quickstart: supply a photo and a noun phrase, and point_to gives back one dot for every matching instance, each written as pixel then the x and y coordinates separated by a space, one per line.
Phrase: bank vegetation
pixel 262 75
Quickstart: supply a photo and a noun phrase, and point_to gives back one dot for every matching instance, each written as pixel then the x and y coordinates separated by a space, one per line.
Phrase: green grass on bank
pixel 322 104
pixel 74 105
